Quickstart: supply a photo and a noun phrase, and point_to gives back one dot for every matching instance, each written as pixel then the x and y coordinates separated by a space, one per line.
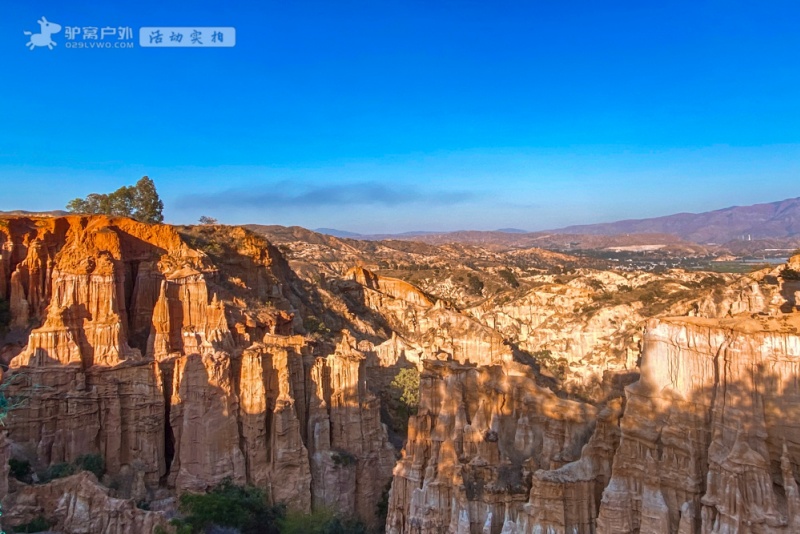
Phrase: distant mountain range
pixel 774 220
pixel 760 221
pixel 337 233
pixel 23 213
pixel 404 235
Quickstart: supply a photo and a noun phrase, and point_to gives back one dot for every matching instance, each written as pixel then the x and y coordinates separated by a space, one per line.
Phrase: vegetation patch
pixel 93 463
pixel 656 296
pixel 245 510
pixel 558 367
pixel 382 507
pixel 23 471
pixel 406 387
pixel 40 524
pixel 474 285
pixel 241 507
pixel 20 469
pixel 56 471
pixel 342 458
pixel 508 277
pixel 323 521
pixel 790 274
pixel 314 325
pixel 139 202
pixel 205 243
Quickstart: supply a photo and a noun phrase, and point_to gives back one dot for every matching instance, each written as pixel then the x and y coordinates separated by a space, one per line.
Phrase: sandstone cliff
pixel 480 437
pixel 179 373
pixel 79 504
pixel 709 442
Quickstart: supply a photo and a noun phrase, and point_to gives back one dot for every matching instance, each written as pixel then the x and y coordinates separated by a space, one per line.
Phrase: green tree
pixel 406 383
pixel 229 505
pixel 93 463
pixel 147 207
pixel 140 202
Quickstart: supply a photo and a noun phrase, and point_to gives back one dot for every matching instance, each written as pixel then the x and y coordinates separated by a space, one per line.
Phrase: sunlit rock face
pixel 129 353
pixel 709 440
pixel 593 323
pixel 344 426
pixel 436 331
pixel 480 435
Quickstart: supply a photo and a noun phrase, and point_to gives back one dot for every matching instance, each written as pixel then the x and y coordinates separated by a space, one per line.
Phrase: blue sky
pixel 394 116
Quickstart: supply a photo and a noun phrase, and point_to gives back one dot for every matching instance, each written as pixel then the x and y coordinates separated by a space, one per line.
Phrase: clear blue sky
pixel 388 116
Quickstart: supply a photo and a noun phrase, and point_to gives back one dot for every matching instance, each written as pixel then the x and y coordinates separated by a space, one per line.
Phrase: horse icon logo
pixel 43 37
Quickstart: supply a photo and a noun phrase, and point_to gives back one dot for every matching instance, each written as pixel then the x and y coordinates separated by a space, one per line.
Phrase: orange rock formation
pixel 130 356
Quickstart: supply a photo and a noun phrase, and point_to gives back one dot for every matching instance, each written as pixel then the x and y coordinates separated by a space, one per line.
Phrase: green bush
pixel 20 469
pixel 406 387
pixel 57 471
pixel 402 399
pixel 40 524
pixel 509 277
pixel 91 462
pixel 86 462
pixel 315 326
pixel 343 458
pixel 322 521
pixel 790 274
pixel 557 367
pixel 229 505
pixel 382 507
pixel 474 285
pixel 212 248
pixel 597 285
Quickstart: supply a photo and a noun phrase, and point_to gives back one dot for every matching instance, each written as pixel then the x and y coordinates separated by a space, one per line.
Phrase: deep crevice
pixel 167 371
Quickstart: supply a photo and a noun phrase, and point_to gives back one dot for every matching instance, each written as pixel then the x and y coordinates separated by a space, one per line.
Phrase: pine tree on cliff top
pixel 140 202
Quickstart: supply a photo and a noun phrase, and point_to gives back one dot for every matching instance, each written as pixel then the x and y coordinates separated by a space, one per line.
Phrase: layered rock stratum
pixel 556 395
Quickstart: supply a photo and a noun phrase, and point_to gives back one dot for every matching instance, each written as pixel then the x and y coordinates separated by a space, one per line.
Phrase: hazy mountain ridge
pixel 750 229
pixel 779 219
pixel 26 213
